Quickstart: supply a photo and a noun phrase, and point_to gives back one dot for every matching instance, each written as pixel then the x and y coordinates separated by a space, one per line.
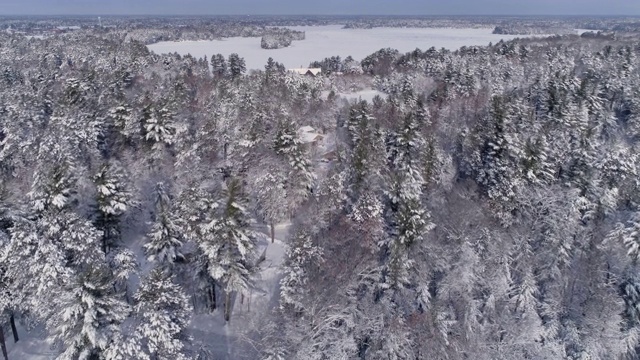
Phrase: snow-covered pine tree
pixel 270 70
pixel 123 264
pixel 219 65
pixel 120 128
pixel 228 244
pixel 237 66
pixel 84 316
pixel 367 154
pixel 300 178
pixel 301 256
pixel 408 221
pixel 498 170
pixel 113 200
pixel 197 206
pixel 159 128
pixel 365 163
pixel 164 312
pixel 53 187
pixel 165 236
pixel 271 198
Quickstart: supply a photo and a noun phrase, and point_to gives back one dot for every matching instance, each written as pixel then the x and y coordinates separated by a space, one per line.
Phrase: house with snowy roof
pixel 307 71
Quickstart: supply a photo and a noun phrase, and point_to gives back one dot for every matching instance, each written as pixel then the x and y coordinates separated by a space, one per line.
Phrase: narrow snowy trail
pixel 31 345
pixel 211 331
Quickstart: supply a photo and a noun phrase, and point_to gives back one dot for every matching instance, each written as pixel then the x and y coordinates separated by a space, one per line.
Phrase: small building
pixel 329 156
pixel 309 135
pixel 307 71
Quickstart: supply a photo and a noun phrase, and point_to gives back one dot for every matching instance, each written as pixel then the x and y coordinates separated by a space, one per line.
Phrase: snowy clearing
pixel 330 40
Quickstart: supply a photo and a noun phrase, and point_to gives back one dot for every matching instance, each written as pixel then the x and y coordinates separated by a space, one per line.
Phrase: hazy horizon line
pixel 326 15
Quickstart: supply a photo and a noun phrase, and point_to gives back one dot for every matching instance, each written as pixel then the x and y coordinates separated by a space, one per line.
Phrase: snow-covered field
pixel 331 40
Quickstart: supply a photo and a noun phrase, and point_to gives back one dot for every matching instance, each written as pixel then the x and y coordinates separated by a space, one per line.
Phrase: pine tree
pixel 219 65
pixel 270 70
pixel 165 237
pixel 53 189
pixel 237 66
pixel 159 128
pixel 164 312
pixel 498 169
pixel 227 243
pixel 366 149
pixel 113 201
pixel 300 179
pixel 301 256
pixel 271 198
pixel 408 220
pixel 123 265
pixel 85 315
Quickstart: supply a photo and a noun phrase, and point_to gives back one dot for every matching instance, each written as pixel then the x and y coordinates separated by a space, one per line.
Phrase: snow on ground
pixel 31 345
pixel 330 40
pixel 210 330
pixel 367 95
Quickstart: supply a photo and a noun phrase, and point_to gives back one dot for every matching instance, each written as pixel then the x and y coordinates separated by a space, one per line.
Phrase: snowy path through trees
pixel 210 331
pixel 31 346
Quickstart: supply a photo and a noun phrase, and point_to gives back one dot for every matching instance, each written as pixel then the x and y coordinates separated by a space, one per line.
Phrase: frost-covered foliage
pixel 164 313
pixel 165 235
pixel 486 207
pixel 86 316
pixel 229 245
pixel 113 200
pixel 301 256
pixel 158 127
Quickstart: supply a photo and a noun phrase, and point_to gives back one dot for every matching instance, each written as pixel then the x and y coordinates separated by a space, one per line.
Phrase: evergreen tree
pixel 53 188
pixel 366 149
pixel 165 237
pixel 164 313
pixel 271 198
pixel 159 128
pixel 113 201
pixel 227 243
pixel 86 315
pixel 301 256
pixel 237 66
pixel 219 65
pixel 287 144
pixel 407 218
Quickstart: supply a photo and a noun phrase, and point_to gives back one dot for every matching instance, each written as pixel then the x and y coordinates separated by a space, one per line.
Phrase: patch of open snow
pixel 367 95
pixel 331 40
pixel 31 346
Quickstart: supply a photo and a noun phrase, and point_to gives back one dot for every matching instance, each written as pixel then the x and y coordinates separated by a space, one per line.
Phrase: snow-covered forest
pixel 168 207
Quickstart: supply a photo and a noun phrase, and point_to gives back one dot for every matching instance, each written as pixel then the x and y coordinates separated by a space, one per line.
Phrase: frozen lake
pixel 331 40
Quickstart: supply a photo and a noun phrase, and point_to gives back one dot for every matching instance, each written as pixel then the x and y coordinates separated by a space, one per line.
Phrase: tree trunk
pixel 227 307
pixel 3 344
pixel 212 298
pixel 12 320
pixel 273 233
